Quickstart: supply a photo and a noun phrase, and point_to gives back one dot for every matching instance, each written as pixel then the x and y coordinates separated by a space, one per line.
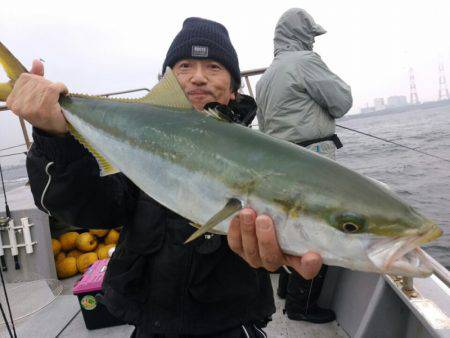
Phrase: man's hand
pixel 35 99
pixel 253 238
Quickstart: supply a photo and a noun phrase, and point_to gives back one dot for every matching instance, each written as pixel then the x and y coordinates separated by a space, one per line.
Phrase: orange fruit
pixel 103 251
pixel 86 242
pixel 56 247
pixel 85 260
pixel 66 267
pixel 112 237
pixel 74 253
pixel 100 245
pixel 98 232
pixel 60 256
pixel 68 240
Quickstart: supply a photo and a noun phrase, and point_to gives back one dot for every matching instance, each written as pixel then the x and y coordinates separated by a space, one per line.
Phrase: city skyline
pixel 442 91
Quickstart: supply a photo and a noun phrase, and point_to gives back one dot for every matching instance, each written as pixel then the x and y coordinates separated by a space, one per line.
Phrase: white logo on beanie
pixel 200 51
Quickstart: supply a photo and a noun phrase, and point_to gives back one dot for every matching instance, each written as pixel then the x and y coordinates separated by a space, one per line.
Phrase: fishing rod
pixel 6 322
pixel 13 154
pixel 16 146
pixel 396 143
pixel 4 221
pixel 12 334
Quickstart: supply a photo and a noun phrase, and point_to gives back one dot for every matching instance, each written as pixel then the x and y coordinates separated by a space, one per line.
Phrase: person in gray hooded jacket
pixel 298 100
pixel 298 96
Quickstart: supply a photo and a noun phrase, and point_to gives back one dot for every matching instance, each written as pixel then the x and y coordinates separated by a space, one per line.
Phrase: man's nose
pixel 199 76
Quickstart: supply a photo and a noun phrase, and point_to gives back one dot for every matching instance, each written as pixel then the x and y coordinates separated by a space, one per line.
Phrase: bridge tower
pixel 413 97
pixel 443 90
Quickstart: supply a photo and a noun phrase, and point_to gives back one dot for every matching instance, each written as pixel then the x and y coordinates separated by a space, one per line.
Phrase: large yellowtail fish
pixel 206 169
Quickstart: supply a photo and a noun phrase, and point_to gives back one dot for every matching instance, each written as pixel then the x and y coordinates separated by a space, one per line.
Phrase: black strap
pixel 337 142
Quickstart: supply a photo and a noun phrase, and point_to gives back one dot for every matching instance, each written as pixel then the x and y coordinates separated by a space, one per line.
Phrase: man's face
pixel 204 81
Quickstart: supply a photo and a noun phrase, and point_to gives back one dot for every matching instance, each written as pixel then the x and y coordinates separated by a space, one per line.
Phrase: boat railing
pixel 246 74
pixel 438 270
pixel 125 92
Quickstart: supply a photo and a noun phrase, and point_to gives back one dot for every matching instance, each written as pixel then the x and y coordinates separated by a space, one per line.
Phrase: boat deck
pixel 63 318
pixel 367 305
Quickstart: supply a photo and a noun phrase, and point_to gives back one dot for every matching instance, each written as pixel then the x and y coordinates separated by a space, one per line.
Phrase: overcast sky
pixel 103 46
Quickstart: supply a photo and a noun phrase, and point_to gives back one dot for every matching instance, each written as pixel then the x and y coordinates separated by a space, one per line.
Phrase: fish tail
pixel 13 69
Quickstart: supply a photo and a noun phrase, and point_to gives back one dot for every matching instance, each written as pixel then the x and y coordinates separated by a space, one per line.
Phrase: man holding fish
pixel 154 280
pixel 183 167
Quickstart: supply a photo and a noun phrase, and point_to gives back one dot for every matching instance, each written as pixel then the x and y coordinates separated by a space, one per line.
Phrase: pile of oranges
pixel 74 252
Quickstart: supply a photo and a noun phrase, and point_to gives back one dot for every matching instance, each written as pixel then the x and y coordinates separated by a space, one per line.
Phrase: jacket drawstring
pixel 47 167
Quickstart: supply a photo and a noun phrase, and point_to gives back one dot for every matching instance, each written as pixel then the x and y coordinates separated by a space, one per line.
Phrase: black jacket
pixel 153 279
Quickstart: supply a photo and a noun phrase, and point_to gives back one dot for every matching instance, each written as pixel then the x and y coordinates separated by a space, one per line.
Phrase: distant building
pixel 367 110
pixel 397 101
pixel 378 103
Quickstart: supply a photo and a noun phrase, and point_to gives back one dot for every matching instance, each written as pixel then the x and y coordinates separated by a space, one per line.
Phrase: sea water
pixel 423 181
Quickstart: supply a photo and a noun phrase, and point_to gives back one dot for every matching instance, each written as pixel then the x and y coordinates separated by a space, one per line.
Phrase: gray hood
pixel 295 31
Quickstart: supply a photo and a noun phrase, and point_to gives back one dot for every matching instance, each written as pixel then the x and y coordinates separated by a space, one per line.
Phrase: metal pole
pixel 125 92
pixel 249 87
pixel 25 133
pixel 24 128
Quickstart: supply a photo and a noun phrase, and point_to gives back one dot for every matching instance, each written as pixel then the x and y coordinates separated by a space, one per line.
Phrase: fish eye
pixel 349 222
pixel 350 227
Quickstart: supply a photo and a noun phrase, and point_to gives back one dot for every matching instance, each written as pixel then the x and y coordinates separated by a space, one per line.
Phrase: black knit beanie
pixel 204 39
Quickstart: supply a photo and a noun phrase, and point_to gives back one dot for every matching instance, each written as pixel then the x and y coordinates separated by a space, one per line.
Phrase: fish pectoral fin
pixel 195 225
pixel 215 113
pixel 167 93
pixel 105 167
pixel 233 205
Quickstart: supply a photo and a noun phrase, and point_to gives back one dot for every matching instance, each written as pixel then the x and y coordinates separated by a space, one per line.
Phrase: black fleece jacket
pixel 153 279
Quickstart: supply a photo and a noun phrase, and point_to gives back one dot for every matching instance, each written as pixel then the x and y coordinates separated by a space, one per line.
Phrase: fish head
pixel 389 238
pixel 364 226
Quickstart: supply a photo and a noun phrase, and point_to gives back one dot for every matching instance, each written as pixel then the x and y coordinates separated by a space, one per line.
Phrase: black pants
pixel 244 331
pixel 301 294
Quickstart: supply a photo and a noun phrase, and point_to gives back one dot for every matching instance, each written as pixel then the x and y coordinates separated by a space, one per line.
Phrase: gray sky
pixel 102 46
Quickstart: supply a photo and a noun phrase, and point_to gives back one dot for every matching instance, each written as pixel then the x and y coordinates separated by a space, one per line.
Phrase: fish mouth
pixel 401 255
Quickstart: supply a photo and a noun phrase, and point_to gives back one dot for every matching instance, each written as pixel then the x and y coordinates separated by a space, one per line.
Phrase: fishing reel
pixel 4 220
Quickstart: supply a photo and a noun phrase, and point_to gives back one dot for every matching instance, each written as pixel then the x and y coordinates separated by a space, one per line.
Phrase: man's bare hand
pixel 254 239
pixel 35 99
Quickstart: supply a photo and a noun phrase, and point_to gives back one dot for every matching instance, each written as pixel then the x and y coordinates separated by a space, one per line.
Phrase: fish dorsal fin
pixel 233 205
pixel 167 93
pixel 105 167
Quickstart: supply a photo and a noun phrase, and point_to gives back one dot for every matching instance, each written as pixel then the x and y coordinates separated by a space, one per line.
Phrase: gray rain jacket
pixel 298 97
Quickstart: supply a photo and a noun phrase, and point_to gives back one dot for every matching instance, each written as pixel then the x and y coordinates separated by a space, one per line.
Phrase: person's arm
pixel 260 117
pixel 64 177
pixel 65 183
pixel 325 87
